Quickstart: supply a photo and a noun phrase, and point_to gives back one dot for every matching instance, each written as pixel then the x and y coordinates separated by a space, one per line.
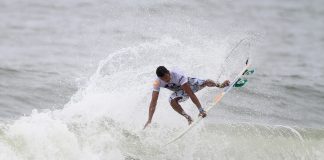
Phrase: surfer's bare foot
pixel 189 119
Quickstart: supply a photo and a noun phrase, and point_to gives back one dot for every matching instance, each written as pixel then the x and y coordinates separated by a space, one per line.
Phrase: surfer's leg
pixel 177 107
pixel 209 83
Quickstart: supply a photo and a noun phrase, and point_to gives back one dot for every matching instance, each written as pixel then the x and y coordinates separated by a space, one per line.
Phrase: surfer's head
pixel 163 74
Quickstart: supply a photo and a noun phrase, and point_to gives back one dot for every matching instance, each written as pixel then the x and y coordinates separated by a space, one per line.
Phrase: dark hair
pixel 161 71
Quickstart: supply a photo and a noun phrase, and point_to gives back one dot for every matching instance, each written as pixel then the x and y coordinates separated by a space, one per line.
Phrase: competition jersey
pixel 177 80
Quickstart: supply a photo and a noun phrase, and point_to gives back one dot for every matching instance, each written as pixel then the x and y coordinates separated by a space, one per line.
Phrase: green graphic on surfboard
pixel 240 82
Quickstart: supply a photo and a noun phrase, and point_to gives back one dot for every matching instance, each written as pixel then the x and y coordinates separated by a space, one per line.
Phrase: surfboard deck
pixel 218 98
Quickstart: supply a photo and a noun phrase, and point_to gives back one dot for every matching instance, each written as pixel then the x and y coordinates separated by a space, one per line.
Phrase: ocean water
pixel 76 78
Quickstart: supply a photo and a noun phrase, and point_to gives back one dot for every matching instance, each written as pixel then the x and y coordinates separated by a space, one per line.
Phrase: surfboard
pixel 218 98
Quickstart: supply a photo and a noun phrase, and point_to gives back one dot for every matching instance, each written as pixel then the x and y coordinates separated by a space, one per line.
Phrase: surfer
pixel 183 88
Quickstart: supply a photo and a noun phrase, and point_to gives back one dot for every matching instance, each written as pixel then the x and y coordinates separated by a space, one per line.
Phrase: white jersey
pixel 177 80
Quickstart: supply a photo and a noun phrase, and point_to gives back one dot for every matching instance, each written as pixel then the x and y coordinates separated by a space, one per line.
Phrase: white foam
pixel 110 111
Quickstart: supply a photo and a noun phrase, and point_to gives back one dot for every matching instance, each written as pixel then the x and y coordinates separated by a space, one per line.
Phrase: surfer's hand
pixel 203 114
pixel 146 124
pixel 225 84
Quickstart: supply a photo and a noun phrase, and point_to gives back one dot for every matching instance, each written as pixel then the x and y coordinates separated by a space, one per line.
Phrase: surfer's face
pixel 166 78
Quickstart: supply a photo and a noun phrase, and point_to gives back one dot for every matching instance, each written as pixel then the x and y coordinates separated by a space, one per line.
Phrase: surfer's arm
pixel 155 96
